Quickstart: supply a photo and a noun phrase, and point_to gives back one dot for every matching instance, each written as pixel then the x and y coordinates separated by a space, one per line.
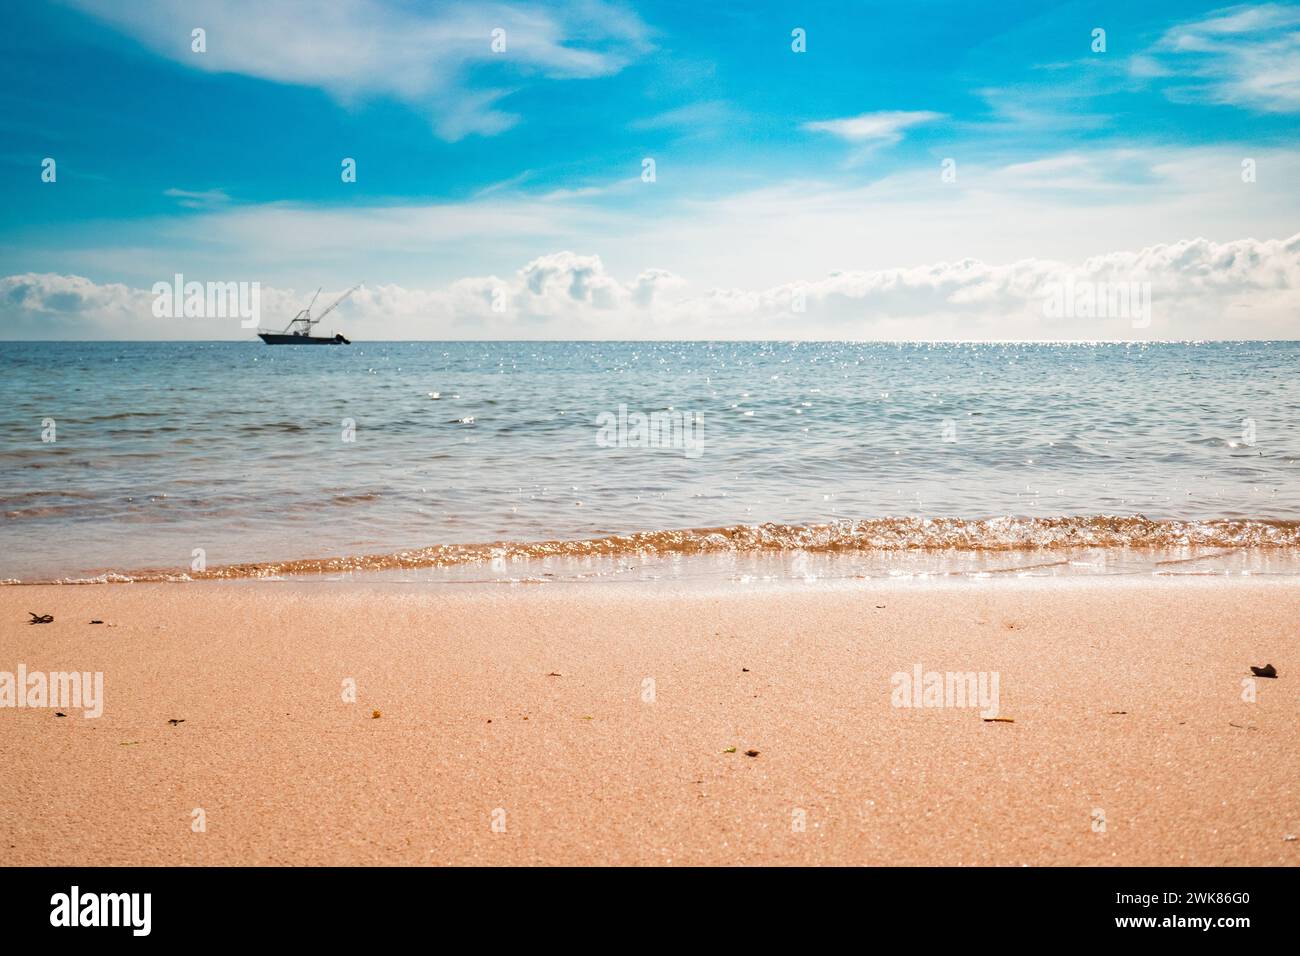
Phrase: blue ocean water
pixel 254 453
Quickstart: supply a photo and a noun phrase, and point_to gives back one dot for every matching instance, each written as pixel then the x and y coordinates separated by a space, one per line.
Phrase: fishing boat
pixel 298 331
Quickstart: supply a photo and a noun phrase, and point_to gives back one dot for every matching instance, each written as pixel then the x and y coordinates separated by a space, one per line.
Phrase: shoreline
pixel 1124 696
pixel 683 570
pixel 939 545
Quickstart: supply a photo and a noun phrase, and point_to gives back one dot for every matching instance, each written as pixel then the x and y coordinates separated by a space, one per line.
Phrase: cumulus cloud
pixel 54 306
pixel 1196 288
pixel 419 54
pixel 1063 207
pixel 36 306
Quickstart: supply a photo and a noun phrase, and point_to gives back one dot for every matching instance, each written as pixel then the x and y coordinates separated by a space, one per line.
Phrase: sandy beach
pixel 595 724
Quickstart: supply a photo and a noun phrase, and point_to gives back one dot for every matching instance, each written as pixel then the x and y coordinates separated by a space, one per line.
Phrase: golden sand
pixel 574 724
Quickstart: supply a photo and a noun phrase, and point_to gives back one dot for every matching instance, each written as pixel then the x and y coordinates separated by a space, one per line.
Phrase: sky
pixel 820 170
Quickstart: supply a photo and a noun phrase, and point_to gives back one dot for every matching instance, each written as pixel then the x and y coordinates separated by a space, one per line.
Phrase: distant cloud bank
pixel 1196 288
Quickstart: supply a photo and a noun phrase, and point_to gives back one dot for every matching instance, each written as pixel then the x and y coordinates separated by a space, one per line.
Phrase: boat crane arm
pixel 302 323
pixel 337 302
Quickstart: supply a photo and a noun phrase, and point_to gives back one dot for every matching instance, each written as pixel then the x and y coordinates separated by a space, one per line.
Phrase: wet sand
pixel 596 721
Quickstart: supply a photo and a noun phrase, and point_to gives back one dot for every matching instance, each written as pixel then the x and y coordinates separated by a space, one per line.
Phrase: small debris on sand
pixel 40 618
pixel 176 720
pixel 1268 670
pixel 729 750
pixel 751 753
pixel 59 713
pixel 96 622
pixel 375 715
pixel 554 674
pixel 998 720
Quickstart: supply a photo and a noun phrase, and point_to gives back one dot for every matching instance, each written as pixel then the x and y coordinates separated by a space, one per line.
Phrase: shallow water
pixel 240 450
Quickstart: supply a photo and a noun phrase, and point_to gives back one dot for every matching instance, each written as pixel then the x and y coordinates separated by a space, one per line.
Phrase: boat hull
pixel 274 338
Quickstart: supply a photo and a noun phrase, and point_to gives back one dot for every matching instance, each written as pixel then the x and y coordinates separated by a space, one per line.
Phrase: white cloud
pixel 420 55
pixel 1246 288
pixel 1246 56
pixel 1052 107
pixel 884 128
pixel 192 199
pixel 1198 289
pixel 701 115
pixel 62 305
pixel 1064 207
pixel 54 306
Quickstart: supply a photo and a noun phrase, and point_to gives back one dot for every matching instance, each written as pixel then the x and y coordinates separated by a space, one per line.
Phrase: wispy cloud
pixel 1247 56
pixel 1064 206
pixel 421 55
pixel 693 117
pixel 1052 105
pixel 874 129
pixel 191 199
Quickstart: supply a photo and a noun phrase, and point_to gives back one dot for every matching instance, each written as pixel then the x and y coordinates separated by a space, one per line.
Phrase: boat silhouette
pixel 298 331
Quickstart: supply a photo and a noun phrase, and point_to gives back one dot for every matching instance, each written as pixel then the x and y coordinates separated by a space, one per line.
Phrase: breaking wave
pixel 1006 534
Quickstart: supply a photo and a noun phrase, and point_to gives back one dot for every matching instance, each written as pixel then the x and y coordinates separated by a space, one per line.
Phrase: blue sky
pixel 772 167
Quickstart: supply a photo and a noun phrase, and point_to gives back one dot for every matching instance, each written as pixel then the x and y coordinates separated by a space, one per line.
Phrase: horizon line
pixel 1194 341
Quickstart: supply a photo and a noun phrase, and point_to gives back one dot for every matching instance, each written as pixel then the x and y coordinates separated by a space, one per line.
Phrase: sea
pixel 555 461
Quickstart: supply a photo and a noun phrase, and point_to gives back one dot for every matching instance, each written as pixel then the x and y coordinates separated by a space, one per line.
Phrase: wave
pixel 1005 534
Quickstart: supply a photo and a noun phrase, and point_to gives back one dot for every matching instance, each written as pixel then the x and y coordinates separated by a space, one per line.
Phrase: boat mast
pixel 304 318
